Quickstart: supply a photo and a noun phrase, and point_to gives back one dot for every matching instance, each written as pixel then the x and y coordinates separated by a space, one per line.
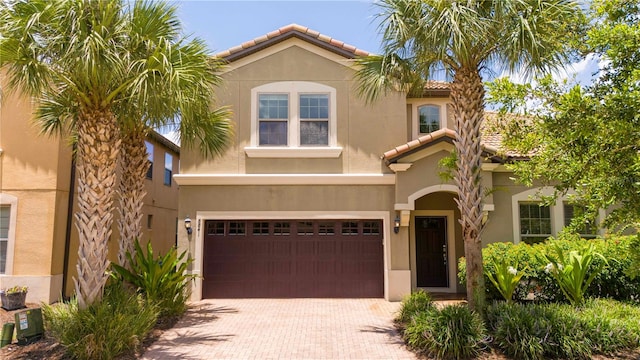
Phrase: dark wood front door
pixel 293 258
pixel 431 251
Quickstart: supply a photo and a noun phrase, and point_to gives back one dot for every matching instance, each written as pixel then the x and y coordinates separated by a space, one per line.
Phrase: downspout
pixel 67 240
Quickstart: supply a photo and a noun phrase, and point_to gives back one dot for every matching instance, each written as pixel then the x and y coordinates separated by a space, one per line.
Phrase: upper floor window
pixel 429 118
pixel 150 159
pixel 273 117
pixel 168 168
pixel 293 119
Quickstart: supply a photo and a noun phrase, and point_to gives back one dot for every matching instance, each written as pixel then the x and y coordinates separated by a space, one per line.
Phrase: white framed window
pixel 8 213
pixel 428 118
pixel 528 227
pixel 535 222
pixel 427 115
pixel 293 119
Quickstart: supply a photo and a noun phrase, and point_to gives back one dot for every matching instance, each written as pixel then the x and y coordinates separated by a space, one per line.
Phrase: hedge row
pixel 613 282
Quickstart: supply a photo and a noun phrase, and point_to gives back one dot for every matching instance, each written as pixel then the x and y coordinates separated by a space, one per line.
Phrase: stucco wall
pixel 364 131
pixel 35 169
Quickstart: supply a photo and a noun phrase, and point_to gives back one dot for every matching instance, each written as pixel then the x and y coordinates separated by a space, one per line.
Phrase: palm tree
pixel 184 77
pixel 82 60
pixel 464 38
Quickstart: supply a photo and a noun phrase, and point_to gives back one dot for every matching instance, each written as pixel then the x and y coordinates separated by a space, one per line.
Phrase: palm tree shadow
pixel 391 332
pixel 178 346
pixel 202 313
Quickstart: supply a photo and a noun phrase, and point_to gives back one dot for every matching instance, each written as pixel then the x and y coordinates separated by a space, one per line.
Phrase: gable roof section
pixel 491 142
pixel 287 32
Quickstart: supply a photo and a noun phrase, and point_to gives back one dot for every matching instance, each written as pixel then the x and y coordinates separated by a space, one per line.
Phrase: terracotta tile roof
pixel 437 85
pixel 419 142
pixel 286 32
pixel 491 140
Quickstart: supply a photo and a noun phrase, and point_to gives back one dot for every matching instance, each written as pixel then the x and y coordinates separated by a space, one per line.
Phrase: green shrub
pixel 163 281
pixel 537 331
pixel 413 304
pixel 104 330
pixel 454 332
pixel 611 325
pixel 612 282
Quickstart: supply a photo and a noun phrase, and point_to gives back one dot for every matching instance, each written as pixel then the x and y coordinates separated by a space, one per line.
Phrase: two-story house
pixel 324 195
pixel 38 240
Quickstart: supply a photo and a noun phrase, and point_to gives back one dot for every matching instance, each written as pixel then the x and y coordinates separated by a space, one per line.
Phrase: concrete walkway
pixel 284 329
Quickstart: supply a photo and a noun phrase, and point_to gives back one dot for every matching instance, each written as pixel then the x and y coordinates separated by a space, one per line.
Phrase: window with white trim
pixel 570 211
pixel 8 214
pixel 5 213
pixel 535 222
pixel 428 119
pixel 293 118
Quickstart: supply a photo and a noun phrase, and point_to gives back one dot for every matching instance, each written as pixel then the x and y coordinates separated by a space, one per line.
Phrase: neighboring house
pixel 323 195
pixel 36 231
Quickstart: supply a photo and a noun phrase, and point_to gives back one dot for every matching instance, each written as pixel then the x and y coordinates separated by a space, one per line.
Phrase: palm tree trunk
pixel 97 153
pixel 468 105
pixel 133 165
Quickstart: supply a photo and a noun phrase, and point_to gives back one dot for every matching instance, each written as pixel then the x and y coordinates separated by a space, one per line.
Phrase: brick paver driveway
pixel 284 329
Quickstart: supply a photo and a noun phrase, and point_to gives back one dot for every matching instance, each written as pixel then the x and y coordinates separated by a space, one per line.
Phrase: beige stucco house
pixel 38 241
pixel 323 195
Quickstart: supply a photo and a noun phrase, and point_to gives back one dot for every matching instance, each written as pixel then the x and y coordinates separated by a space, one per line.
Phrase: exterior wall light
pixel 396 224
pixel 187 225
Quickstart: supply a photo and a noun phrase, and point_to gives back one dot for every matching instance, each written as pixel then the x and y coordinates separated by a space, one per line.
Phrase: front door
pixel 431 251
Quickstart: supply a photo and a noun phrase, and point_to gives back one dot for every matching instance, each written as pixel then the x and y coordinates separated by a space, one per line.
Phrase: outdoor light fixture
pixel 187 225
pixel 396 224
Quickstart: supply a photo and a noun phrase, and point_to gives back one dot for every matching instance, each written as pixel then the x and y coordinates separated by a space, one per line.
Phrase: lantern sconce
pixel 187 225
pixel 396 224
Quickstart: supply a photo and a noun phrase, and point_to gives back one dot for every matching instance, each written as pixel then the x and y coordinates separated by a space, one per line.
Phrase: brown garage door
pixel 293 258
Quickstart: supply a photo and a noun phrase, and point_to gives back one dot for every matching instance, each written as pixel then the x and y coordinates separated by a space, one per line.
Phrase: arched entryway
pixel 435 242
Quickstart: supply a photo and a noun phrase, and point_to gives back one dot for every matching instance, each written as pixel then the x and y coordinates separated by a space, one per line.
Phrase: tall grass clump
pixel 454 332
pixel 417 302
pixel 104 330
pixel 163 281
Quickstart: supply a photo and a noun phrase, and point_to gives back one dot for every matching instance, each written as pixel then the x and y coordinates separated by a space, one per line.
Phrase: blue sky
pixel 224 24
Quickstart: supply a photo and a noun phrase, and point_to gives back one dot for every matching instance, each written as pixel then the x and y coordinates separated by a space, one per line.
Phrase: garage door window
pixel 371 228
pixel 305 228
pixel 237 228
pixel 326 228
pixel 281 228
pixel 260 228
pixel 349 228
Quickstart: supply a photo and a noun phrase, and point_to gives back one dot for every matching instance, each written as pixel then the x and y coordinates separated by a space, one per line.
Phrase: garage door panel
pixel 299 258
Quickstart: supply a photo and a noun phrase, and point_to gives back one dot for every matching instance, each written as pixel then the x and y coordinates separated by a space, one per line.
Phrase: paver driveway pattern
pixel 284 329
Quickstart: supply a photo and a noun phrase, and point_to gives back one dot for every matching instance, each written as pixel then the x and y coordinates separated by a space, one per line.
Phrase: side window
pixel 429 119
pixel 570 211
pixel 535 222
pixel 150 159
pixel 5 213
pixel 168 168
